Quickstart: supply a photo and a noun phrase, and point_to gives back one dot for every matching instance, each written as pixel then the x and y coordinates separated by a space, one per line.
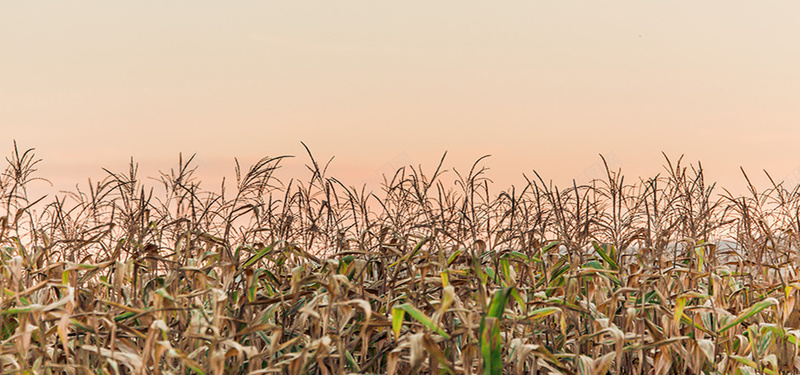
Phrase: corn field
pixel 663 275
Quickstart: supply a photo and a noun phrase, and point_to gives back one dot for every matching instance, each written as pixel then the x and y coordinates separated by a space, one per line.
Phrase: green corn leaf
pixel 700 258
pixel 123 316
pixel 422 318
pixel 520 301
pixel 753 310
pixel 453 257
pixel 498 304
pixel 505 268
pixel 606 252
pixel 397 321
pixel 257 256
pixel 490 273
pixel 550 245
pixel 679 305
pixel 745 361
pixel 594 264
pixel 491 351
pixel 26 309
pixel 521 256
pixel 559 268
pixel 542 312
pixel 163 293
pixel 351 361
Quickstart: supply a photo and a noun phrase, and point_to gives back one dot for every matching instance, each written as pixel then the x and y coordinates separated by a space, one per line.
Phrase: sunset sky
pixel 543 86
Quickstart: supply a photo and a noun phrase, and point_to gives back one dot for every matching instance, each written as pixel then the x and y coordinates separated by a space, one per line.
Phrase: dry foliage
pixel 661 276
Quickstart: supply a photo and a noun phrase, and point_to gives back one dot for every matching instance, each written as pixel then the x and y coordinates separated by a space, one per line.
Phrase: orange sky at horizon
pixel 539 86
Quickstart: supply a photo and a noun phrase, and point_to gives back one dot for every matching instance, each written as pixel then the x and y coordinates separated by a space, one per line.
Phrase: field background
pixel 661 275
pixel 542 258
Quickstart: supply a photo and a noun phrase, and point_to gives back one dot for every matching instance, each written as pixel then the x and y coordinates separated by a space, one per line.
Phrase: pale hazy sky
pixel 539 85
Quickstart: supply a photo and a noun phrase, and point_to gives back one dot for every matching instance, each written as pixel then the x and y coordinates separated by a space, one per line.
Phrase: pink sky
pixel 539 85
